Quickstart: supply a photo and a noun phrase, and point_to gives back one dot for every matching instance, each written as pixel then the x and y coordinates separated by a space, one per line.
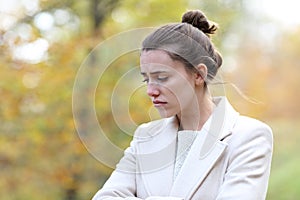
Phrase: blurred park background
pixel 43 44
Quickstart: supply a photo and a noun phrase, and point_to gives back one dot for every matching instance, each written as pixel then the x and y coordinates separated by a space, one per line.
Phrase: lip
pixel 158 103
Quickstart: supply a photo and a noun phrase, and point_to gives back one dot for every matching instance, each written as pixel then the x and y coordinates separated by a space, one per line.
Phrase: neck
pixel 195 117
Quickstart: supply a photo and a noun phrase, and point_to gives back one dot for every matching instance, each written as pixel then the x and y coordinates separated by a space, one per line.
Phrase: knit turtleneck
pixel 185 139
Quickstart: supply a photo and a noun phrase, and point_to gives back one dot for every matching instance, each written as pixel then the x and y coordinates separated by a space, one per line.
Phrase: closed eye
pixel 162 78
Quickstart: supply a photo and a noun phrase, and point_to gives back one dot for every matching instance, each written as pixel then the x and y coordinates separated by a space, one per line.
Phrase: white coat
pixel 229 160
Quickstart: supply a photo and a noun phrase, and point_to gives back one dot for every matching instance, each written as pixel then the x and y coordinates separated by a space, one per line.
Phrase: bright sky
pixel 286 12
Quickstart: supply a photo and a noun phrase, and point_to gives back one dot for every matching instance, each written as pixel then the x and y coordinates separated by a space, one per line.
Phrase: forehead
pixel 154 60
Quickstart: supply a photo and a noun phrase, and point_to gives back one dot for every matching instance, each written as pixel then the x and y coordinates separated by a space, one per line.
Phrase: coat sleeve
pixel 249 163
pixel 122 182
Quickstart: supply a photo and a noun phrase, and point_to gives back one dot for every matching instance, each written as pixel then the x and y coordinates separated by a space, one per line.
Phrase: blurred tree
pixel 100 9
pixel 39 144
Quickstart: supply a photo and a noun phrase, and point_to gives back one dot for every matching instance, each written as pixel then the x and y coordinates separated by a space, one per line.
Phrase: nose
pixel 152 90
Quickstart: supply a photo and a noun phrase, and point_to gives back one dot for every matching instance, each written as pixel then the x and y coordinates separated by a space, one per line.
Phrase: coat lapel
pixel 156 158
pixel 206 150
pixel 194 172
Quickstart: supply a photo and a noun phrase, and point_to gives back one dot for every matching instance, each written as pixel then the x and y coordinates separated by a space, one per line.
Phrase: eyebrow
pixel 156 72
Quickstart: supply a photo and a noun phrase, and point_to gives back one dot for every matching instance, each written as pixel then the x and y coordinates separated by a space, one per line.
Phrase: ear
pixel 201 74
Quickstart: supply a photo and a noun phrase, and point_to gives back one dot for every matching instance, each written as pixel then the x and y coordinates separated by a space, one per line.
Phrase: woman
pixel 201 148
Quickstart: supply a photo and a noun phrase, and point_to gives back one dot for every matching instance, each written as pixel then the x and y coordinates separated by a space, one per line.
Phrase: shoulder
pixel 251 132
pixel 247 125
pixel 150 129
pixel 153 124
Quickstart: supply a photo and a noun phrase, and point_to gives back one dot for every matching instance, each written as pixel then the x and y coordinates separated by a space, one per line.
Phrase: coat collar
pixel 221 123
pixel 207 148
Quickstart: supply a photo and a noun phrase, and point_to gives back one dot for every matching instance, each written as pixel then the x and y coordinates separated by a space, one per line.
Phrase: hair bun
pixel 197 19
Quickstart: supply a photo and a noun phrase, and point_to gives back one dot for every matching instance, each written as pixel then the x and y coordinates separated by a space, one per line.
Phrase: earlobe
pixel 201 74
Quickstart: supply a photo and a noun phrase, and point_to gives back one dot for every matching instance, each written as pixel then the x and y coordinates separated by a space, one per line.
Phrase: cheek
pixel 181 91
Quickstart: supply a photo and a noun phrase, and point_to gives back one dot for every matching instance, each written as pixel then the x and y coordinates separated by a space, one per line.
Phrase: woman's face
pixel 170 86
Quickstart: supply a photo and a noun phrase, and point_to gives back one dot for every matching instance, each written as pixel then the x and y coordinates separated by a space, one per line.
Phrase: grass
pixel 284 180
